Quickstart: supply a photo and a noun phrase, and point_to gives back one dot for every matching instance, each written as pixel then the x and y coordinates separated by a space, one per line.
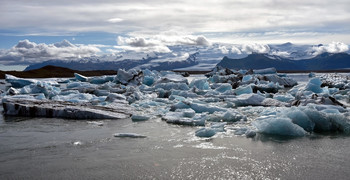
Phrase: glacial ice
pixel 205 132
pixel 81 78
pixel 278 126
pixel 252 102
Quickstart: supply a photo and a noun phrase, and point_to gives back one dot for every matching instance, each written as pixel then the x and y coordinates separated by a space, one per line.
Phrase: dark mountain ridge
pixel 325 61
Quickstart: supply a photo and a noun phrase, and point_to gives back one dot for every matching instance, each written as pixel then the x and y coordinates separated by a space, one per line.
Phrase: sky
pixel 93 27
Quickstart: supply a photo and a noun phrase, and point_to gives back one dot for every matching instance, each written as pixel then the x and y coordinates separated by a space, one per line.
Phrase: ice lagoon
pixel 184 128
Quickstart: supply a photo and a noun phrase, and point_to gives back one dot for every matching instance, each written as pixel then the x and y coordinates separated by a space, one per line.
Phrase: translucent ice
pixel 201 84
pixel 314 85
pixel 243 90
pixel 278 126
pixel 205 132
pixel 81 78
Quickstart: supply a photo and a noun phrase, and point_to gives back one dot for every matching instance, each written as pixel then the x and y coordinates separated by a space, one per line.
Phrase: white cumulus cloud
pixel 27 52
pixel 334 47
pixel 255 48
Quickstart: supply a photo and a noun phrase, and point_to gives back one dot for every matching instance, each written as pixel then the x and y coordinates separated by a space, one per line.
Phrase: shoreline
pixel 60 72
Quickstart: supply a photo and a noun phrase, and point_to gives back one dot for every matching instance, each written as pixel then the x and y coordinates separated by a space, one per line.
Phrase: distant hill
pixel 88 64
pixel 53 71
pixel 325 61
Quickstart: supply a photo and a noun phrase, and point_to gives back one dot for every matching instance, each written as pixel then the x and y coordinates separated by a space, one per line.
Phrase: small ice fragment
pixel 130 135
pixel 77 143
pixel 139 117
pixel 250 133
pixel 97 123
pixel 205 132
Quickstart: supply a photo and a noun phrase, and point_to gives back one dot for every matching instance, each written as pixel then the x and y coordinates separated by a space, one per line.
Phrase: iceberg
pixel 278 126
pixel 47 108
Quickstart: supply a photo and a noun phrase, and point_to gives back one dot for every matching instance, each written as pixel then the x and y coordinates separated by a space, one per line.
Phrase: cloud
pixel 27 52
pixel 159 43
pixel 235 50
pixel 115 20
pixel 255 48
pixel 224 50
pixel 42 16
pixel 334 47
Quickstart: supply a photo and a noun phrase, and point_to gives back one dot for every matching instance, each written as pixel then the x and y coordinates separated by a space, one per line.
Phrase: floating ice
pixel 140 117
pixel 314 85
pixel 201 84
pixel 129 135
pixel 265 71
pixel 278 126
pixel 21 82
pixel 30 107
pixel 243 90
pixel 205 132
pixel 224 87
pixel 81 78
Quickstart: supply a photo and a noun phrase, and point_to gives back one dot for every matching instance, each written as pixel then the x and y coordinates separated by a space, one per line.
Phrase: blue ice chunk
pixel 140 117
pixel 148 80
pixel 205 132
pixel 247 78
pixel 218 127
pixel 283 98
pixel 179 105
pixel 333 111
pixel 340 122
pixel 300 118
pixel 278 126
pixel 233 116
pixel 224 87
pixel 311 75
pixel 322 123
pixel 243 90
pixel 81 78
pixel 314 85
pixel 248 100
pixel 242 71
pixel 18 82
pixel 201 84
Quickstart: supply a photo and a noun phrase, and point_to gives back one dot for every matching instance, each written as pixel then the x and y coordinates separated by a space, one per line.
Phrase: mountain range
pixel 324 61
pixel 285 56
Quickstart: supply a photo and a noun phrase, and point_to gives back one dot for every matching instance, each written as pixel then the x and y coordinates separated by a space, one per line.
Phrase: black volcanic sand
pixel 54 71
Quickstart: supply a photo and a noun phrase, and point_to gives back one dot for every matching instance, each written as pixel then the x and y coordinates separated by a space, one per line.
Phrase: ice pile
pixel 224 101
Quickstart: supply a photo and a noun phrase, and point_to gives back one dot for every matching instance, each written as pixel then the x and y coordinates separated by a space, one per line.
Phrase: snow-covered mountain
pixel 190 57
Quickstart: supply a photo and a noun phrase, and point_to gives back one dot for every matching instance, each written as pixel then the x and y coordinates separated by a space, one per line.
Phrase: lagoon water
pixel 43 148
